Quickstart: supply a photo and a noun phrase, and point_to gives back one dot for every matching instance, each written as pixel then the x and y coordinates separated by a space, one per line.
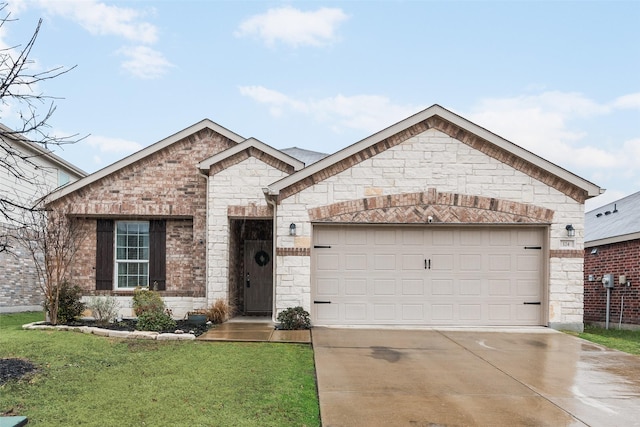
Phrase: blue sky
pixel 561 79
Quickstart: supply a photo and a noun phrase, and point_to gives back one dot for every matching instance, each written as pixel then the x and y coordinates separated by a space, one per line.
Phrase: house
pixel 41 172
pixel 432 221
pixel 612 247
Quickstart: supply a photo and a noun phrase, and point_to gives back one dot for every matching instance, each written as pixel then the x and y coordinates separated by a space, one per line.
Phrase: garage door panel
pixel 413 261
pixel 528 262
pixel 355 311
pixel 355 287
pixel 328 286
pixel 427 276
pixel 413 312
pixel 355 262
pixel 384 262
pixel 471 287
pixel 470 312
pixel 384 287
pixel 441 261
pixel 328 262
pixel 471 262
pixel 412 287
pixel 384 312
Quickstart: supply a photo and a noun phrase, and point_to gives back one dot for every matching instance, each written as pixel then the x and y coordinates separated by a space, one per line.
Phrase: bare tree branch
pixel 21 94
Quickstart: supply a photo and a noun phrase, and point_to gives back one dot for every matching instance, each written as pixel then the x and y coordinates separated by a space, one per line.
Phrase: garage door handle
pixel 322 302
pixel 427 264
pixel 531 303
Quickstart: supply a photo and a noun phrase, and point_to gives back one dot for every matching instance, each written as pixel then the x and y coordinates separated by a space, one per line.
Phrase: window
pixel 137 258
pixel 132 254
pixel 63 178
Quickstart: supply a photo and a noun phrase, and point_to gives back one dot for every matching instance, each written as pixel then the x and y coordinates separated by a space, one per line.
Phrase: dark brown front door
pixel 258 277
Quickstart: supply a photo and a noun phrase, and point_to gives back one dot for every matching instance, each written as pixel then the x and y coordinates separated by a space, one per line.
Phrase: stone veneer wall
pixel 621 258
pixel 235 193
pixel 163 185
pixel 434 160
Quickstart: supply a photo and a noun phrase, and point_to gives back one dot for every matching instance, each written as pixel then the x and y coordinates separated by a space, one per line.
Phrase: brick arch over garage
pixel 415 208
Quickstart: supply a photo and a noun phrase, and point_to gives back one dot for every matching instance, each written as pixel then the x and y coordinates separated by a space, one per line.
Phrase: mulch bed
pixel 14 369
pixel 130 325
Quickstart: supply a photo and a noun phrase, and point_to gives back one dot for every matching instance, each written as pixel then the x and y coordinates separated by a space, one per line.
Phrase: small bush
pixel 294 318
pixel 155 321
pixel 70 307
pixel 220 311
pixel 104 308
pixel 146 300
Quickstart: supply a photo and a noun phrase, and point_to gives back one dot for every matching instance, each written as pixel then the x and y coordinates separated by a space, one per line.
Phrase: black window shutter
pixel 104 254
pixel 158 254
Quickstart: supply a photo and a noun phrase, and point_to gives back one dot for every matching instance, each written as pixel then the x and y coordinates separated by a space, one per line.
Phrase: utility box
pixel 608 281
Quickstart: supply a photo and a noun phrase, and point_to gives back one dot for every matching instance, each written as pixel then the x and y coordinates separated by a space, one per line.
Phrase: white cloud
pixel 630 101
pixel 540 123
pixel 144 62
pixel 99 18
pixel 294 27
pixel 368 113
pixel 105 144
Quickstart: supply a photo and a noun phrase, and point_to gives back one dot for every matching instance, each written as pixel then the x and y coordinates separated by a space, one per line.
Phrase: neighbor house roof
pixel 203 124
pixel 590 189
pixel 618 221
pixel 41 151
pixel 307 157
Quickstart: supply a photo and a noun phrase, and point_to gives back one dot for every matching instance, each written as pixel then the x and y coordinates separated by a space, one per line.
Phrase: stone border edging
pixel 144 335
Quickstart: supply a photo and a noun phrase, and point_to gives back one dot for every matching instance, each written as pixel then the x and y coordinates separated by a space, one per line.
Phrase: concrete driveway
pixel 392 377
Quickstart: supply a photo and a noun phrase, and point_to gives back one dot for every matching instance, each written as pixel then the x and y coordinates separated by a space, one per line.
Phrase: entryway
pixel 251 266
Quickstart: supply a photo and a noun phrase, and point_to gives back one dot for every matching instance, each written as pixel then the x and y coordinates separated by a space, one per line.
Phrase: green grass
pixel 95 381
pixel 623 340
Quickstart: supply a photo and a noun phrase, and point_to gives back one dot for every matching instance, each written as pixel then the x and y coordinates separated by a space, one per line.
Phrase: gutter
pixel 270 197
pixel 206 238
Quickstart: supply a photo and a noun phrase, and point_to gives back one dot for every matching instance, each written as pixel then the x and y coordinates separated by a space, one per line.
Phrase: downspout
pixel 206 239
pixel 269 197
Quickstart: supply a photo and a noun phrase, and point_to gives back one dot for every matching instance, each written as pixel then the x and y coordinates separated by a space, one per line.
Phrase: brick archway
pixel 416 208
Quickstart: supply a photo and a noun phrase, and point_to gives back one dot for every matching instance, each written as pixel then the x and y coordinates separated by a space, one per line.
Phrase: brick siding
pixel 164 185
pixel 621 258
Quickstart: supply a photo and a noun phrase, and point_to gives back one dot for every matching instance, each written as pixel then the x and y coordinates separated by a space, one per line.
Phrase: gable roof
pixel 458 125
pixel 206 164
pixel 618 221
pixel 41 152
pixel 163 143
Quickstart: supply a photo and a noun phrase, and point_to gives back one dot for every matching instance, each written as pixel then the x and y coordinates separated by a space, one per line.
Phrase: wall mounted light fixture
pixel 594 251
pixel 292 229
pixel 571 232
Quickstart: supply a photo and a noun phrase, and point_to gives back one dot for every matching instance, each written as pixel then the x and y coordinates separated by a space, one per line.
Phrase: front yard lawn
pixel 95 381
pixel 623 340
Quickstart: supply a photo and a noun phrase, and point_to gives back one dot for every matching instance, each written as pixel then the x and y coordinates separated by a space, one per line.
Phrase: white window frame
pixel 118 261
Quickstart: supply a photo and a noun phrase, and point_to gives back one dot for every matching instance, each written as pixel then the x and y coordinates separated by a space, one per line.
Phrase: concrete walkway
pixel 392 377
pixel 254 332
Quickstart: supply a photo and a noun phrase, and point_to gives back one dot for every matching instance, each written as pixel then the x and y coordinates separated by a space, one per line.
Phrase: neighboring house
pixel 432 221
pixel 42 171
pixel 612 246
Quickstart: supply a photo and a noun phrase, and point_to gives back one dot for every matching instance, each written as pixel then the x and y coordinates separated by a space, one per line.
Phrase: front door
pixel 258 277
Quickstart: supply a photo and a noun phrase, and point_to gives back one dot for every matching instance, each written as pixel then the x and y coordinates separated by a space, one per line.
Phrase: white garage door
pixel 427 275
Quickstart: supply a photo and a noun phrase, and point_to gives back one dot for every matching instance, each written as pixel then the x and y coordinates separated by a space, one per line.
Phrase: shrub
pixel 294 318
pixel 155 321
pixel 219 311
pixel 146 300
pixel 104 308
pixel 69 305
